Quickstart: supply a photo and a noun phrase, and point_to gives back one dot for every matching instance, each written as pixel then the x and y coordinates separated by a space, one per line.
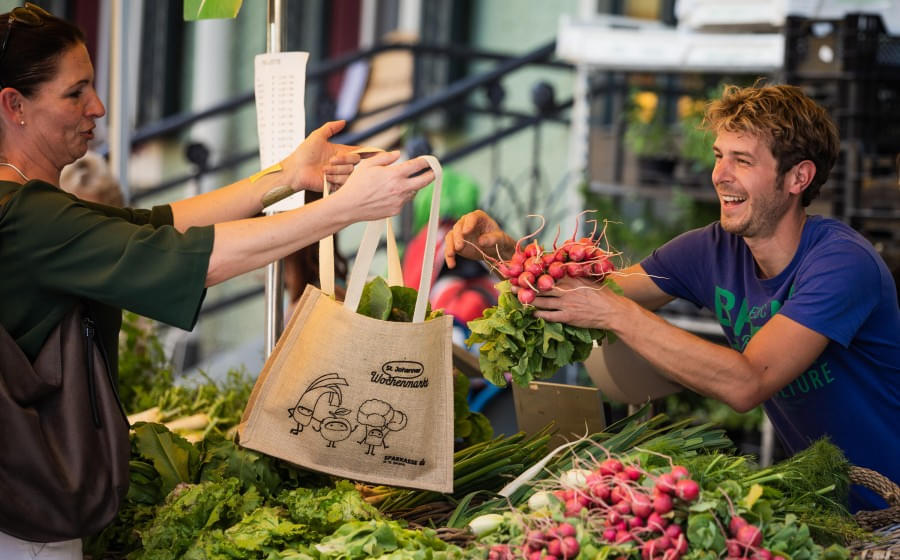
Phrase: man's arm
pixel 780 351
pixel 639 287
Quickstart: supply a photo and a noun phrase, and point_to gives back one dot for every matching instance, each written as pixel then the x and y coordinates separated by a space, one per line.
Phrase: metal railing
pixel 413 108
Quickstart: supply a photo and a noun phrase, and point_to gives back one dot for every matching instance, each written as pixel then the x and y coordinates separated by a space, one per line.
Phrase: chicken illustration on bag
pixel 320 406
pixel 380 418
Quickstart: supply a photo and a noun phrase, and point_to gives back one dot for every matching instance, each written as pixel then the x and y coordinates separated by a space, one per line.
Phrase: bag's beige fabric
pixel 358 397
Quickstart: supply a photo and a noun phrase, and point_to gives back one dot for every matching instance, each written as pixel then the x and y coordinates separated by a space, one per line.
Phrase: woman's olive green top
pixel 56 249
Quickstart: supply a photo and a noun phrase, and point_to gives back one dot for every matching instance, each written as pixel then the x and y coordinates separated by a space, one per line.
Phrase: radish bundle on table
pixel 514 341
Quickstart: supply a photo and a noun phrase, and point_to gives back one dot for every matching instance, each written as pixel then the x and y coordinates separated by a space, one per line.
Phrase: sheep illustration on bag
pixel 380 418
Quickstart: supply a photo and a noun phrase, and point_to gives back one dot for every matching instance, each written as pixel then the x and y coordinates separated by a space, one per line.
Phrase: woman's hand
pixel 312 158
pixel 376 189
pixel 474 235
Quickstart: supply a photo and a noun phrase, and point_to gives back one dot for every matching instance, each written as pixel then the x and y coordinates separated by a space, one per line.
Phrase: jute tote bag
pixel 358 397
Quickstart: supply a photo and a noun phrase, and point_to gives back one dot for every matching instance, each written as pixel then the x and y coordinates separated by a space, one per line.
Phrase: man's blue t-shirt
pixel 836 285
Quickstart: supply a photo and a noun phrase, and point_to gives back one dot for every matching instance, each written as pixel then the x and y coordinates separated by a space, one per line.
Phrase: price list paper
pixel 279 85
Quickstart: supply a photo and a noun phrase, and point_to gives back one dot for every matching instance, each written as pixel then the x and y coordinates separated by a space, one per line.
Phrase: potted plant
pixel 695 145
pixel 651 139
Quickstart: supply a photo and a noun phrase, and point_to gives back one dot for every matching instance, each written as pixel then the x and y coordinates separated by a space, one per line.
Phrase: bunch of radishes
pixel 630 507
pixel 534 270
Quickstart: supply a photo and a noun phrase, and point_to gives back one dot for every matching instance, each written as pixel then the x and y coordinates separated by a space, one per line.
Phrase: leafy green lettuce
pixel 515 341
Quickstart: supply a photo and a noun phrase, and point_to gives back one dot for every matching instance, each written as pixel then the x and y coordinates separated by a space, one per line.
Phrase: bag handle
pixel 326 245
pixel 369 244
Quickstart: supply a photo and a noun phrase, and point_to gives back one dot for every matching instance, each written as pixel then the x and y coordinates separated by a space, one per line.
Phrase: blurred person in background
pixel 89 178
pixel 58 250
pixel 807 305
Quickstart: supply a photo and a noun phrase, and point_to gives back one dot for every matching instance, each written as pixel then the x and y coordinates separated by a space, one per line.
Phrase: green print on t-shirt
pixel 744 322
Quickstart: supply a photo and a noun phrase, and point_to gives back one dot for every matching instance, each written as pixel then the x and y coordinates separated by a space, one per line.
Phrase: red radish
pixel 570 547
pixel 602 267
pixel 623 507
pixel 576 253
pixel 534 266
pixel 616 495
pixel 687 489
pixel 548 258
pixel 749 535
pixel 518 258
pixel 514 281
pixel 556 270
pixel 526 296
pixel 515 269
pixel 737 522
pixel 670 554
pixel 656 522
pixel 623 476
pixel 566 530
pixel 545 283
pixel 734 548
pixel 673 531
pixel 500 552
pixel 574 269
pixel 613 517
pixel 763 554
pixel 561 255
pixel 680 543
pixel 623 537
pixel 635 522
pixel 584 499
pixel 573 508
pixel 680 472
pixel 526 279
pixel 599 490
pixel 610 467
pixel 532 249
pixel 609 534
pixel 535 539
pixel 633 472
pixel 536 555
pixel 665 483
pixel 641 505
pixel 554 547
pixel 662 503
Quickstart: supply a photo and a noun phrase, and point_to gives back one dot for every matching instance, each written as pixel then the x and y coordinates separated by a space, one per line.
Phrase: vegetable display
pixel 645 488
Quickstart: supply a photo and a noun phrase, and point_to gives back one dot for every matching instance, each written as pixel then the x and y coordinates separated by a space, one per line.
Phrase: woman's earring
pixel 21 123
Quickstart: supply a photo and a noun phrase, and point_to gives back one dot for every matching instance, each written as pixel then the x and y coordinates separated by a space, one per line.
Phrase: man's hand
pixel 313 159
pixel 476 234
pixel 580 302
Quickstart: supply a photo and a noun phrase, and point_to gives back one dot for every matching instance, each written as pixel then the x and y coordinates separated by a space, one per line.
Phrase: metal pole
pixel 119 143
pixel 274 271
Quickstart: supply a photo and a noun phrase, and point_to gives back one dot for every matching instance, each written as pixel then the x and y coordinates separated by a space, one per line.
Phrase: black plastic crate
pixel 856 44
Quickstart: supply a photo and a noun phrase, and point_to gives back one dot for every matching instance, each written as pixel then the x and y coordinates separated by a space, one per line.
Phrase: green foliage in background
pixel 636 235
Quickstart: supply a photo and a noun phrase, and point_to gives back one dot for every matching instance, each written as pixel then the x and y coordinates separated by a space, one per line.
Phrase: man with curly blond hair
pixel 809 309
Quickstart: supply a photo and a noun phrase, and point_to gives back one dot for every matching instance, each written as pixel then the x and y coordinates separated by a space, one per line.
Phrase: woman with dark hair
pixel 58 250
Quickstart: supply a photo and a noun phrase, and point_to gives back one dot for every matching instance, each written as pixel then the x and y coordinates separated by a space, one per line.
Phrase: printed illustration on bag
pixel 320 407
pixel 380 419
